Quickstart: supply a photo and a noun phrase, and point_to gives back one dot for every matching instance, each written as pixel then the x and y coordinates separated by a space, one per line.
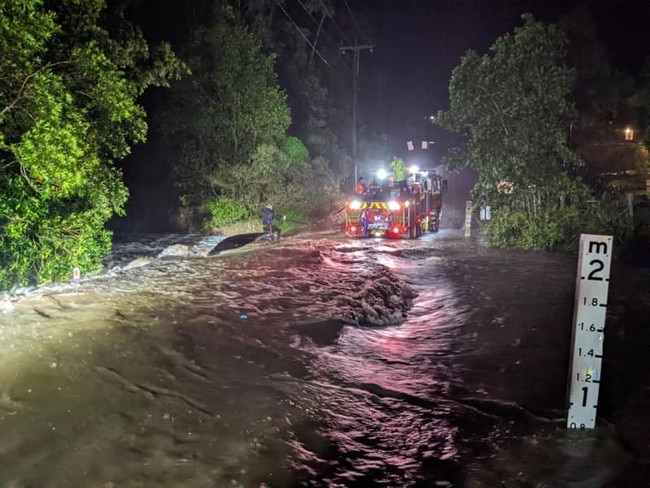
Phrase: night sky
pixel 419 42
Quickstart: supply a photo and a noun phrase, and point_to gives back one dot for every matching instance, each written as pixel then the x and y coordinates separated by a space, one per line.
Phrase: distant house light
pixel 629 134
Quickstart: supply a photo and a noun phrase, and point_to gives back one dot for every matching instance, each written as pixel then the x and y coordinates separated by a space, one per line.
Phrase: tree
pixel 68 112
pixel 513 106
pixel 229 108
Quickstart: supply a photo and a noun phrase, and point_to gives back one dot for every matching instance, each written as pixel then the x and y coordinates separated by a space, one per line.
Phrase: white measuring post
pixel 468 218
pixel 76 274
pixel 590 308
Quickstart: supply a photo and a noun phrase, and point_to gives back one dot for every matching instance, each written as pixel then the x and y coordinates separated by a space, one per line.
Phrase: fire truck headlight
pixel 393 205
pixel 355 205
pixel 382 174
pixel 414 169
pixel 407 203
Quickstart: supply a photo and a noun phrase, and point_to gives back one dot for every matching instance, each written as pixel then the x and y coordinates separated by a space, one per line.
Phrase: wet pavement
pixel 318 361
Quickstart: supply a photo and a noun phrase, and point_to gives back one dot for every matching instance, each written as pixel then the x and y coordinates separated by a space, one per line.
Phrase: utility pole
pixel 356 49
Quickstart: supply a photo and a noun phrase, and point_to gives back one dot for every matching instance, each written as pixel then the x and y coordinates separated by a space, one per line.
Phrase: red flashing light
pixel 396 230
pixel 353 229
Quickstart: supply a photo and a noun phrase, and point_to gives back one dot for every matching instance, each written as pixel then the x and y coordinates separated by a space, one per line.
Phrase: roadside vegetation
pixel 70 76
pixel 539 144
pixel 74 77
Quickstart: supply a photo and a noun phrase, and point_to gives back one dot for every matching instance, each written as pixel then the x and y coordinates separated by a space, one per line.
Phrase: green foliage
pixel 546 230
pixel 513 106
pixel 224 211
pixel 227 110
pixel 319 93
pixel 67 111
pixel 296 219
pixel 295 150
pixel 560 226
pixel 231 118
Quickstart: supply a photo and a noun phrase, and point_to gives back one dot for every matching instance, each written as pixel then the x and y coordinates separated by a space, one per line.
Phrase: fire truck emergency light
pixel 393 205
pixel 355 205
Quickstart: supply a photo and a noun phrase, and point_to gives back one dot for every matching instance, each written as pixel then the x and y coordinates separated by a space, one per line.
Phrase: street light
pixel 629 134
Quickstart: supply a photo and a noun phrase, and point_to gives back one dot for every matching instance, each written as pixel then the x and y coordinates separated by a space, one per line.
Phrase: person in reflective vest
pixel 268 215
pixel 399 170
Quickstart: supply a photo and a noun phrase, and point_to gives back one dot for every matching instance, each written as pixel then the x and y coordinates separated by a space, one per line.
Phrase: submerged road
pixel 319 361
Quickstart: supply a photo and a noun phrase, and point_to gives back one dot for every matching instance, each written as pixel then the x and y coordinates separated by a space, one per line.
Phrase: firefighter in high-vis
pixel 399 170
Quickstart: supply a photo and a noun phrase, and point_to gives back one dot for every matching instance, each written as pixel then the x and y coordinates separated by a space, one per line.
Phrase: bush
pixel 560 227
pixel 224 211
pixel 548 229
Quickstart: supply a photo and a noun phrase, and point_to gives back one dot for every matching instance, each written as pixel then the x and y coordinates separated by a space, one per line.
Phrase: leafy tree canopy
pixel 68 111
pixel 513 106
pixel 229 108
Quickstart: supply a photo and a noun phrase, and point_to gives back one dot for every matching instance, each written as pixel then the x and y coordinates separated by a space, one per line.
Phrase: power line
pixel 302 33
pixel 319 24
pixel 334 22
pixel 308 12
pixel 353 18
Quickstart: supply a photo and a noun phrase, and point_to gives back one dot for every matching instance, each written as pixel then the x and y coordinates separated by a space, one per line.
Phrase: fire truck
pixel 404 209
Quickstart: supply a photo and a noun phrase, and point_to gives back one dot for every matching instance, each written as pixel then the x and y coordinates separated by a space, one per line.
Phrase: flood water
pixel 319 361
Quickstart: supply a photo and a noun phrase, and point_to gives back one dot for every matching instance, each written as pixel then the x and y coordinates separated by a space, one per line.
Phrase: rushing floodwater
pixel 321 362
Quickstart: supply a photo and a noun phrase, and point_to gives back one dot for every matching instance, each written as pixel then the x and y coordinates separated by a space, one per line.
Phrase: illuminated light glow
pixel 414 169
pixel 353 228
pixel 418 220
pixel 396 230
pixel 382 174
pixel 355 205
pixel 407 203
pixel 393 205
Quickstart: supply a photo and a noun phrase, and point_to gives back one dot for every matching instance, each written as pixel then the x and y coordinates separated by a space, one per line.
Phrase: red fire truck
pixel 406 208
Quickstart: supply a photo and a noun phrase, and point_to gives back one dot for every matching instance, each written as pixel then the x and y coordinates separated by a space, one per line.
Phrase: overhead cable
pixel 353 18
pixel 317 22
pixel 302 33
pixel 334 22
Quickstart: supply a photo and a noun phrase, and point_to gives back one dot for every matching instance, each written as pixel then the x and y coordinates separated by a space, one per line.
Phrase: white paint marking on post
pixel 590 307
pixel 76 274
pixel 468 218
